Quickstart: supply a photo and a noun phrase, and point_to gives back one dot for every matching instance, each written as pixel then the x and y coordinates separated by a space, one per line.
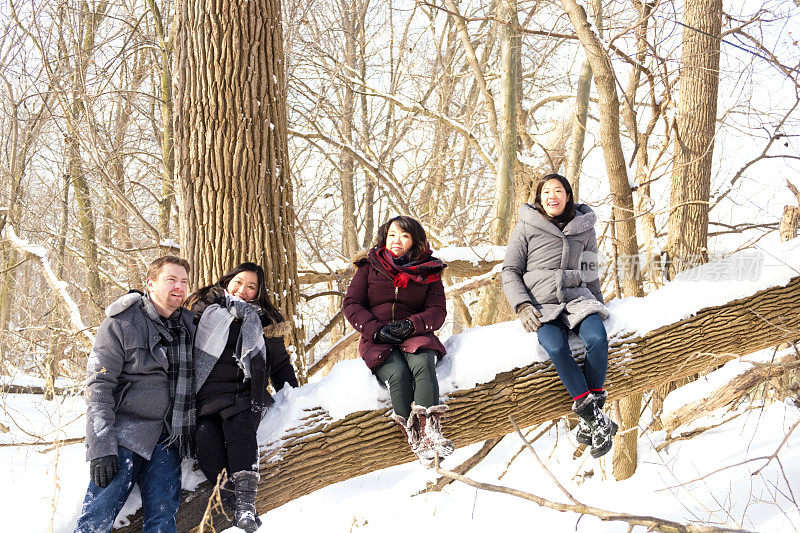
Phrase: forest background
pixel 285 133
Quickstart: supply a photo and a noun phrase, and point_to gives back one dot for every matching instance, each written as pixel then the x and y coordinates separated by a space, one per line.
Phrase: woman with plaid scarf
pixel 396 300
pixel 238 344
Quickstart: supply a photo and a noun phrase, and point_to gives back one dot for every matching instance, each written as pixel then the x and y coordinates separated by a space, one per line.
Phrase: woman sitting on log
pixel 396 301
pixel 550 279
pixel 238 344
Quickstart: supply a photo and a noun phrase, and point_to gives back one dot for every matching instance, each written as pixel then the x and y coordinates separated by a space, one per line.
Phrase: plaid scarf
pixel 212 334
pixel 177 345
pixel 423 270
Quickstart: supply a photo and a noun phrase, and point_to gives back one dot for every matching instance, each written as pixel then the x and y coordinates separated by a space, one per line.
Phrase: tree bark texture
pixel 347 162
pixel 510 44
pixel 319 451
pixel 235 198
pixel 694 135
pixel 624 228
pixel 164 70
pixel 575 150
pixel 625 224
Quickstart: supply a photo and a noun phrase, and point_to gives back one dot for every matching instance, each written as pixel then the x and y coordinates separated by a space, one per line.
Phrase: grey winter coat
pixel 553 269
pixel 127 389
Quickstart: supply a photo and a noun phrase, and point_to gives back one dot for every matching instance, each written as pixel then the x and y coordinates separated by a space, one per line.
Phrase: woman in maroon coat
pixel 396 301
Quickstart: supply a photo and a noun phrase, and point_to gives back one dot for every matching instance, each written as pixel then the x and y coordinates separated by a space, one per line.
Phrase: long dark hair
pixel 569 209
pixel 419 239
pixel 261 300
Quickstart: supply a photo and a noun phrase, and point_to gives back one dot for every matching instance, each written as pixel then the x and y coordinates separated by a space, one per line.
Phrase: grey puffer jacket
pixel 127 389
pixel 553 269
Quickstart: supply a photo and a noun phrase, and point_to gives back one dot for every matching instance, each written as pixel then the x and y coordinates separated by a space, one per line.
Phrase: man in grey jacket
pixel 140 395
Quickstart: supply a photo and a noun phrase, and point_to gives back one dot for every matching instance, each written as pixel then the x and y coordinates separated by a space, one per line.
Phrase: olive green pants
pixel 410 377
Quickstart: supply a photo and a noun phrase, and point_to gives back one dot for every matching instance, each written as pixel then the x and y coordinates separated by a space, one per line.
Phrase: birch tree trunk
pixel 694 135
pixel 235 198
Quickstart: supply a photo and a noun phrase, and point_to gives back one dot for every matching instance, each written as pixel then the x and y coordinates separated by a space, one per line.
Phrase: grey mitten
pixel 529 317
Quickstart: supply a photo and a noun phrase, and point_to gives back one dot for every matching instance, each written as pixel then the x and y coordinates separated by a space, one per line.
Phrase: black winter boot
pixel 604 428
pixel 584 433
pixel 246 485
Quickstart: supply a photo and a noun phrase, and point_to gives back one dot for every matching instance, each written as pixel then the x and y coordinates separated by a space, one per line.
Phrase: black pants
pixel 228 443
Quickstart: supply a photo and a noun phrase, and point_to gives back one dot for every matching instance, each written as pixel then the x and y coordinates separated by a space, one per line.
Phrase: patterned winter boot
pixel 601 428
pixel 604 428
pixel 584 433
pixel 246 485
pixel 412 431
pixel 431 422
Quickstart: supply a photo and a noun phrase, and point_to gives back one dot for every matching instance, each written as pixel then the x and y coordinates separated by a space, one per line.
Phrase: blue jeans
pixel 159 482
pixel 553 337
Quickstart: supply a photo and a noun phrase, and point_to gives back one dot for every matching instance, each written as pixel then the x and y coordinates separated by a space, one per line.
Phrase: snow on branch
pixel 39 254
pixel 336 429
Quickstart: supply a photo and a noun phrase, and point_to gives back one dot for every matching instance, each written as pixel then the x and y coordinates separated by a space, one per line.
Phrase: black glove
pixel 385 336
pixel 402 329
pixel 529 317
pixel 103 469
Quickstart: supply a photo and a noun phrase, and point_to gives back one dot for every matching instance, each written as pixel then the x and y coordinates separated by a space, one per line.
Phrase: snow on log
pixel 669 334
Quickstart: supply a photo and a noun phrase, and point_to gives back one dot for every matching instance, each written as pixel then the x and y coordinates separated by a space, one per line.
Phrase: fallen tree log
pixel 320 451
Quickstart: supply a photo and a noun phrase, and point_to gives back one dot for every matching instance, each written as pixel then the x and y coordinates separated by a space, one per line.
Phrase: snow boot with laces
pixel 430 419
pixel 245 484
pixel 412 431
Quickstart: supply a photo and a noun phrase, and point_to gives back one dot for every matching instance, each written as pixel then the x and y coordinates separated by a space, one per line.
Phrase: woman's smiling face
pixel 244 285
pixel 553 197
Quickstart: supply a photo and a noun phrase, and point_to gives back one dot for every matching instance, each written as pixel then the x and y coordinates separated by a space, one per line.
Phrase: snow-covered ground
pixel 694 480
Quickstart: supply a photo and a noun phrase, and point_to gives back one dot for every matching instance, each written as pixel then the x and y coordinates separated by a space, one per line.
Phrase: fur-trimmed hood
pixel 281 329
pixel 123 302
pixel 360 257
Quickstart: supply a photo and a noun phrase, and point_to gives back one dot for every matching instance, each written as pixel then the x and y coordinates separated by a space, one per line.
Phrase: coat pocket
pixel 147 399
pixel 120 396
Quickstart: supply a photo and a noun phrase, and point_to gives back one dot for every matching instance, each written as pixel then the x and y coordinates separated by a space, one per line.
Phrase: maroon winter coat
pixel 372 300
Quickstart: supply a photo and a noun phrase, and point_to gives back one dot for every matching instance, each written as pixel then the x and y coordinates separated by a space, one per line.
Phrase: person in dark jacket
pixel 396 301
pixel 550 279
pixel 238 344
pixel 140 394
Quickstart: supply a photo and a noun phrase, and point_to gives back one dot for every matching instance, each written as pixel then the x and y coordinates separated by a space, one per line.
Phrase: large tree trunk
pixel 318 451
pixel 694 135
pixel 235 199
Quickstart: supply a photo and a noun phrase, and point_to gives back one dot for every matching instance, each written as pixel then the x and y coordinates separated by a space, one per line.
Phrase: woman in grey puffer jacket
pixel 550 279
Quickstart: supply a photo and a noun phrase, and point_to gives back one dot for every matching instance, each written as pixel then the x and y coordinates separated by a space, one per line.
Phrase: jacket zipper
pixel 396 289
